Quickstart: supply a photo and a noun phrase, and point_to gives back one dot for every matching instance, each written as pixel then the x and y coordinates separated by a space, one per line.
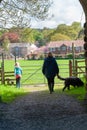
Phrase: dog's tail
pixel 59 77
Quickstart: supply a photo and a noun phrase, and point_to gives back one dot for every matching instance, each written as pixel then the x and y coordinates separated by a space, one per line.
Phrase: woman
pixel 50 69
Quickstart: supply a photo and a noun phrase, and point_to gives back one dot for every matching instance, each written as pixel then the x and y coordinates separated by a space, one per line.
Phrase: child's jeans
pixel 18 82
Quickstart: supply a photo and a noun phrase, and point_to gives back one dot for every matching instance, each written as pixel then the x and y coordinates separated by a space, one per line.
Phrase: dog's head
pixel 82 83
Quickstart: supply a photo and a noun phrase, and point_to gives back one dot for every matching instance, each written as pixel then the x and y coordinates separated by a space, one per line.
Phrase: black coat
pixel 50 67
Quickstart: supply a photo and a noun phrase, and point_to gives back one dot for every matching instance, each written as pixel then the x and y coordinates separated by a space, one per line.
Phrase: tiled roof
pixel 41 49
pixel 44 49
pixel 67 43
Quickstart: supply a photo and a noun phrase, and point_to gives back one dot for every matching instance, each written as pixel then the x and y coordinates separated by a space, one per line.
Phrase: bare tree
pixel 18 13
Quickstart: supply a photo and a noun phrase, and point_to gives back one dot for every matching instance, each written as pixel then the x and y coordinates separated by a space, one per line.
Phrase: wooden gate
pixel 6 77
pixel 78 69
pixel 32 72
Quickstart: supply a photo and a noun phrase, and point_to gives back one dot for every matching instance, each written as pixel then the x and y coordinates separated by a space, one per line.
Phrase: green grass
pixel 32 70
pixel 78 93
pixel 9 93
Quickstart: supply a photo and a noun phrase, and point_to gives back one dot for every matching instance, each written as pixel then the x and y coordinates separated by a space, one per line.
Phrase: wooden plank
pixel 9 79
pixel 81 61
pixel 9 75
pixel 80 67
pixel 9 72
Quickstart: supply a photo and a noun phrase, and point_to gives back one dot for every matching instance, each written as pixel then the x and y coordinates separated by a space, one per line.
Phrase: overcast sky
pixel 62 12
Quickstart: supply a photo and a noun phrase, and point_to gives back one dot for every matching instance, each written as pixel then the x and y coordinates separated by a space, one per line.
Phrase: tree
pixel 5 44
pixel 77 27
pixel 59 37
pixel 18 13
pixel 26 35
pixel 71 31
pixel 12 37
pixel 39 38
pixel 47 33
pixel 84 5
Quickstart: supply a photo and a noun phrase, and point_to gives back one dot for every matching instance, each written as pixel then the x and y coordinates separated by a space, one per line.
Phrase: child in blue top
pixel 18 74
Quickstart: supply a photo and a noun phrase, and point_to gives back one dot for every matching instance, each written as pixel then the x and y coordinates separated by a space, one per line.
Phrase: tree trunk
pixel 84 5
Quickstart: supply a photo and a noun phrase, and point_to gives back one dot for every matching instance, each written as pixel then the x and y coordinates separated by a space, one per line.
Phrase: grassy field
pixel 32 75
pixel 32 70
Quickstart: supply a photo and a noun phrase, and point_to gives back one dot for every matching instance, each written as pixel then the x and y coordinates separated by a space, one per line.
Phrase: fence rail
pixel 32 72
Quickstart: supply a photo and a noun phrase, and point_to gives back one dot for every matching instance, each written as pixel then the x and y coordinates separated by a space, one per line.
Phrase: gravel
pixel 43 111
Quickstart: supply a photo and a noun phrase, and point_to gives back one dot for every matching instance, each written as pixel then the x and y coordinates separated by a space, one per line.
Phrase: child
pixel 18 74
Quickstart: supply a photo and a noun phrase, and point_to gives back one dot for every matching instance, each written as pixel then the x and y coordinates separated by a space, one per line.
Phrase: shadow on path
pixel 43 111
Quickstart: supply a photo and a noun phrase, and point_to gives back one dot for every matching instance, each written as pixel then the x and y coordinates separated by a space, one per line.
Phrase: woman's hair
pixel 50 54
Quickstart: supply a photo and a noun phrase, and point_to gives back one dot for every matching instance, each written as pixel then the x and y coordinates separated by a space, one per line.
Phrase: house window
pixel 63 48
pixel 58 49
pixel 16 49
pixel 69 48
pixel 50 49
pixel 77 48
pixel 53 49
pixel 82 48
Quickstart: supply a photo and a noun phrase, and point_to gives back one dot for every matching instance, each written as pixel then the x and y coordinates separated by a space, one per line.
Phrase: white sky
pixel 63 12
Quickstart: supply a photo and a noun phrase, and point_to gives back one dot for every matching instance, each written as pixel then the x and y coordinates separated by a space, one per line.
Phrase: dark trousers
pixel 51 84
pixel 18 82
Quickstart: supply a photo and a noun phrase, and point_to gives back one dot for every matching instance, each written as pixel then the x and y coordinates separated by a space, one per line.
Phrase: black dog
pixel 74 81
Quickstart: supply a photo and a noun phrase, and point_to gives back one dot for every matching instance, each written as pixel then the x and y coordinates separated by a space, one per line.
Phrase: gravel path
pixel 43 111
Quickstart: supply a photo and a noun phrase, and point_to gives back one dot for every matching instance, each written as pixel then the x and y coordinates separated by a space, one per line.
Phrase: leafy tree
pixel 38 36
pixel 12 37
pixel 42 36
pixel 81 34
pixel 47 33
pixel 2 31
pixel 5 44
pixel 59 37
pixel 26 35
pixel 71 31
pixel 77 27
pixel 18 13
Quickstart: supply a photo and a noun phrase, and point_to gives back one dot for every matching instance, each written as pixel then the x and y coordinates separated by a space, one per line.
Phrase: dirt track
pixel 43 111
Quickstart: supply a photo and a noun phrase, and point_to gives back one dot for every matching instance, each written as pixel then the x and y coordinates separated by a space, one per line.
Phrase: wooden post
pixel 73 54
pixel 70 68
pixel 2 68
pixel 15 58
pixel 76 71
pixel 86 73
pixel 85 48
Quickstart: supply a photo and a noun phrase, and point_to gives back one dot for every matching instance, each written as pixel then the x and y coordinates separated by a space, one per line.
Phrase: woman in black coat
pixel 50 69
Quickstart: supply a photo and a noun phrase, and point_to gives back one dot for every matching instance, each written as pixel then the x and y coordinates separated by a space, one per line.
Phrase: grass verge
pixel 78 93
pixel 9 93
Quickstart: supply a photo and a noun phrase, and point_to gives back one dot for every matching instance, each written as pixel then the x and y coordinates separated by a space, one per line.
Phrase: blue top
pixel 18 71
pixel 50 67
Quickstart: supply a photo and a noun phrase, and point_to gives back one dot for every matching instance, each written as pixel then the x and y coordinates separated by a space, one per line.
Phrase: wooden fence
pixel 7 77
pixel 78 69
